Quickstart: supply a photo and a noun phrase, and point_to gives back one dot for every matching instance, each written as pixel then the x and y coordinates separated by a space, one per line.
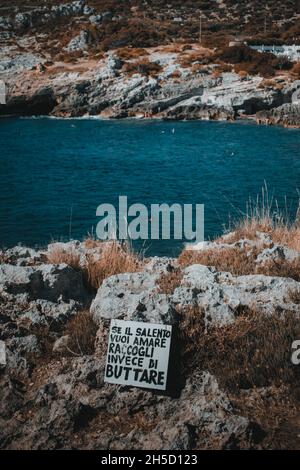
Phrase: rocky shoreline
pixel 56 306
pixel 168 82
pixel 50 71
pixel 103 89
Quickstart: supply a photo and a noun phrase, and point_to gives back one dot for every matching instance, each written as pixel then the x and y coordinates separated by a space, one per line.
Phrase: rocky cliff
pixel 156 83
pixel 52 69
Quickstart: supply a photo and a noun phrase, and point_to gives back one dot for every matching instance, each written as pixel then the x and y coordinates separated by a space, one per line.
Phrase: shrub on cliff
pixel 296 70
pixel 128 53
pixel 143 67
pixel 255 63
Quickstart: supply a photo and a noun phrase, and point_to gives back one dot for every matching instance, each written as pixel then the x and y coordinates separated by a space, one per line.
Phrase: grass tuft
pixel 114 259
pixel 168 282
pixel 58 255
pixel 82 334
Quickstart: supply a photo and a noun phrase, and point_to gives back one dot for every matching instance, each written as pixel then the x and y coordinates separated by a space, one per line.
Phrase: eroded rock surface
pixel 52 398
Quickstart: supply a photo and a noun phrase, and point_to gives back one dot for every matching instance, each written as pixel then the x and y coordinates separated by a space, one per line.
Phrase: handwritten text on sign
pixel 138 354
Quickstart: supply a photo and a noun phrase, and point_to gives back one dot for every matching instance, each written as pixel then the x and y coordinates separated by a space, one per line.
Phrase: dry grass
pixel 111 258
pixel 191 329
pixel 263 215
pixel 296 70
pixel 143 67
pixel 276 411
pixel 240 262
pixel 168 282
pixel 115 259
pixel 269 83
pixel 82 332
pixel 281 234
pixel 254 351
pixel 243 74
pixel 189 58
pixel 128 53
pixel 197 68
pixel 59 256
pixel 217 73
pixel 235 260
pixel 175 48
pixel 253 62
pixel 245 231
pixel 91 243
pixel 294 296
pixel 288 236
pixel 282 268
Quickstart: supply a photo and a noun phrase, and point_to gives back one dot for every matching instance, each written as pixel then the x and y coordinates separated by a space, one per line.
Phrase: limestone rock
pixel 46 281
pixel 287 115
pixel 131 297
pixel 277 253
pixel 79 43
pixel 2 355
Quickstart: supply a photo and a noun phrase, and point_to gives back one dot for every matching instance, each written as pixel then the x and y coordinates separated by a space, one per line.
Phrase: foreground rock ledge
pixel 56 400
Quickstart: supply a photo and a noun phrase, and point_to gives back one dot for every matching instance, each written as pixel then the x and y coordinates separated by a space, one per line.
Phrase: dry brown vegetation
pixel 129 53
pixel 188 59
pixel 82 334
pixel 240 262
pixel 151 24
pixel 176 74
pixel 114 259
pixel 243 74
pixel 263 215
pixel 91 243
pixel 168 282
pixel 58 255
pixel 143 67
pixel 277 413
pixel 269 83
pixel 254 63
pixel 294 296
pixel 296 70
pixel 108 259
pixel 282 268
pixel 198 68
pixel 282 234
pixel 287 236
pixel 191 329
pixel 254 351
pixel 235 260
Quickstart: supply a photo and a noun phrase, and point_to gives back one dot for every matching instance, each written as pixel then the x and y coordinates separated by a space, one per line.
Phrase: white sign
pixel 138 354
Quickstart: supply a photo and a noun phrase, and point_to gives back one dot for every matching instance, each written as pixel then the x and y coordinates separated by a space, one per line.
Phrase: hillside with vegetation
pixel 151 23
pixel 174 60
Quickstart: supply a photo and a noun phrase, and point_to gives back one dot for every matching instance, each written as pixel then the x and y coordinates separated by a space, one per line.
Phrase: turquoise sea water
pixel 55 170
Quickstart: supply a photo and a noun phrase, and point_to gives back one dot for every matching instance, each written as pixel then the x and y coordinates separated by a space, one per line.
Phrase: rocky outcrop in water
pixel 287 115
